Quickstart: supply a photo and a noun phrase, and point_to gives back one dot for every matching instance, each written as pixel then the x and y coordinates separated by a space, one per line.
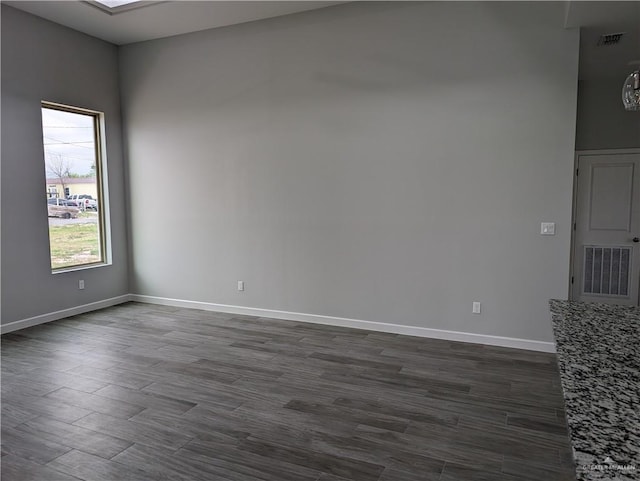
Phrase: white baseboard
pixel 54 316
pixel 354 323
pixel 291 316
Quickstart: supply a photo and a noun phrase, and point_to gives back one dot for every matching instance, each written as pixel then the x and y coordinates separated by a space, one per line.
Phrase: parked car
pixel 61 208
pixel 83 201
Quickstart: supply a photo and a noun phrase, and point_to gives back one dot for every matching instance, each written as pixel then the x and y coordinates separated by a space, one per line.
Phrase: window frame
pixel 104 227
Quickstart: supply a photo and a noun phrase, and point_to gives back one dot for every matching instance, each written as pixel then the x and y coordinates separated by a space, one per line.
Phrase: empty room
pixel 320 241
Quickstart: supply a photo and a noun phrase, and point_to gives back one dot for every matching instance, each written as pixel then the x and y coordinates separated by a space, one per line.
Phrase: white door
pixel 606 246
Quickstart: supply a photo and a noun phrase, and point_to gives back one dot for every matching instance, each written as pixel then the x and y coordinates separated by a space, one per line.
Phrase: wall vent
pixel 606 270
pixel 610 39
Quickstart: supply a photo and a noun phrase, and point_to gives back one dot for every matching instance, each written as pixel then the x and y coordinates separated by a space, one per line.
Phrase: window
pixel 75 197
pixel 113 7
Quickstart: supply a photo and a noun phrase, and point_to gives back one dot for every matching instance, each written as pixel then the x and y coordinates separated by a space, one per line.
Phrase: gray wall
pixel 602 121
pixel 44 61
pixel 378 161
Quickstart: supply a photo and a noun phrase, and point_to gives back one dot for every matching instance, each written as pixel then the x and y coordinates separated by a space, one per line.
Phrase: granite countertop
pixel 598 347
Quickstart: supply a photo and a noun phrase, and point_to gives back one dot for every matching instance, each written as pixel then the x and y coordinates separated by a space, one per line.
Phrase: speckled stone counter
pixel 598 348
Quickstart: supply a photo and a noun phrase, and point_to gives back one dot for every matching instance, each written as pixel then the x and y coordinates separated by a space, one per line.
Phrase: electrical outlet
pixel 81 284
pixel 241 285
pixel 476 308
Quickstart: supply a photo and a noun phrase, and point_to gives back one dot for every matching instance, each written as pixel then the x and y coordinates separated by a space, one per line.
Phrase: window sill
pixel 80 268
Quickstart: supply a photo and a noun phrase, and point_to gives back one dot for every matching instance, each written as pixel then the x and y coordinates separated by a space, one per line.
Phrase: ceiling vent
pixel 610 39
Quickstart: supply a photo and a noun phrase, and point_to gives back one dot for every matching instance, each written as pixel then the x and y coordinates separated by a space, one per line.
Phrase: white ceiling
pixel 159 19
pixel 166 18
pixel 600 18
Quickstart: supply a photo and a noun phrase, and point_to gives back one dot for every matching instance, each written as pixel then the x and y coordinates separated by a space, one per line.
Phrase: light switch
pixel 548 228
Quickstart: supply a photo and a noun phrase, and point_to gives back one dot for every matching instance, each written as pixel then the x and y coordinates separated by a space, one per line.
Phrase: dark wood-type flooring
pixel 144 392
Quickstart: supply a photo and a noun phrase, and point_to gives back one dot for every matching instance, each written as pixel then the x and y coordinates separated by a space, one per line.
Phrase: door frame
pixel 574 205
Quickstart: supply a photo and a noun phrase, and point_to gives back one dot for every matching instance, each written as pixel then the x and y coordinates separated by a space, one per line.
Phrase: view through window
pixel 72 161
